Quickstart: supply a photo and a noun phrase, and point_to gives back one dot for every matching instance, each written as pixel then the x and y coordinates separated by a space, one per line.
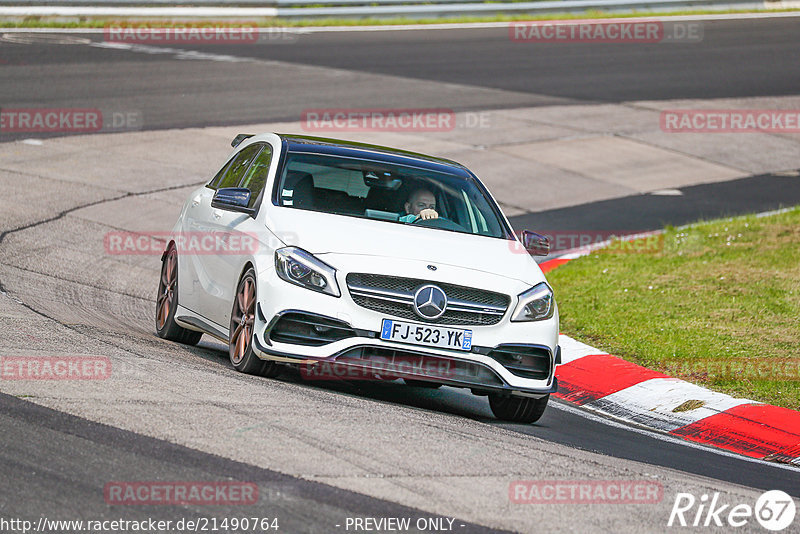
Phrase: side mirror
pixel 232 199
pixel 535 244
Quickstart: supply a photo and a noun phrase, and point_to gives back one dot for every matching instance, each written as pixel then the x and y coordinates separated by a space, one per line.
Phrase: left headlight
pixel 299 267
pixel 535 304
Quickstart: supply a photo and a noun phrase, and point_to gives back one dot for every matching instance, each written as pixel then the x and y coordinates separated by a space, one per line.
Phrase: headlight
pixel 298 267
pixel 535 304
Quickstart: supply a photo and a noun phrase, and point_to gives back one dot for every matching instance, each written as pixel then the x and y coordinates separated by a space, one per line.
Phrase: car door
pixel 223 267
pixel 193 220
pixel 200 245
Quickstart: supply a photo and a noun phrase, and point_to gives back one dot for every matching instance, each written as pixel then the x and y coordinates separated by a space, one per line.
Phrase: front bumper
pixel 363 362
pixel 363 352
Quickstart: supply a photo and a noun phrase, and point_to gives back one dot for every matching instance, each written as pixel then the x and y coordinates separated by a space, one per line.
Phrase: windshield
pixel 388 192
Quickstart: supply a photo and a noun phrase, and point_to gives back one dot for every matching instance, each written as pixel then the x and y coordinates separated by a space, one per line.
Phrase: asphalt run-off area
pixel 570 137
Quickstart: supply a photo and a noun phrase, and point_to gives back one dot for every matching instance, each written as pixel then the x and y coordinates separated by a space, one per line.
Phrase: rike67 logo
pixel 774 510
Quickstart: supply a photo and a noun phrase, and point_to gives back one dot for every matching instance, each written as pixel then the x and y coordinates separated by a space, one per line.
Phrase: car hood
pixel 324 233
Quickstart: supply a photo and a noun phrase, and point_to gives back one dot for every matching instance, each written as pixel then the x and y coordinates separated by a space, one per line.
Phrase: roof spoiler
pixel 239 138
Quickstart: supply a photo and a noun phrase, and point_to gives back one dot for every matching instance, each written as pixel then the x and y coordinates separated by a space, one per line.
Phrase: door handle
pixel 196 200
pixel 217 214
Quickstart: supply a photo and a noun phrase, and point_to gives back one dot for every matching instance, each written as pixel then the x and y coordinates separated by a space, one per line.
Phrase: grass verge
pixel 718 305
pixel 100 22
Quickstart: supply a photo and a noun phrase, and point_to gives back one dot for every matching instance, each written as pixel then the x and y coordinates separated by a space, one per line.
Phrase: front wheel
pixel 243 316
pixel 518 409
pixel 167 303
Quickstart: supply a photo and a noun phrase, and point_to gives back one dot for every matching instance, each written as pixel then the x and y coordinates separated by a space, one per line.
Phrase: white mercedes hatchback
pixel 362 262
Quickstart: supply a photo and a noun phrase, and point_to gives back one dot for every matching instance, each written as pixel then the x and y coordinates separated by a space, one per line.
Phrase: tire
pixel 421 384
pixel 518 409
pixel 240 342
pixel 167 303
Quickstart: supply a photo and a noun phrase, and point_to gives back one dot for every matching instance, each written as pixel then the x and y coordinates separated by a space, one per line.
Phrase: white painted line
pixel 774 212
pixel 667 192
pixel 178 53
pixel 88 11
pixel 101 31
pixel 272 12
pixel 651 403
pixel 572 349
pixel 52 39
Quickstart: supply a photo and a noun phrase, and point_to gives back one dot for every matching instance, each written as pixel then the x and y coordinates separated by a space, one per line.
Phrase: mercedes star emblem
pixel 430 302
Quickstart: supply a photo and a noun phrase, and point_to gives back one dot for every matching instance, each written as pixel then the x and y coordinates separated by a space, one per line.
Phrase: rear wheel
pixel 167 303
pixel 518 409
pixel 243 316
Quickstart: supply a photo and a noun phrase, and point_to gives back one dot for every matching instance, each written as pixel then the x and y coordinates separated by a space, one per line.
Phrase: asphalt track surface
pixel 39 459
pixel 736 59
pixel 63 461
pixel 640 213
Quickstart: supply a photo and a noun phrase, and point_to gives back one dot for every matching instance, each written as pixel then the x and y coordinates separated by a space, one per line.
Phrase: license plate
pixel 421 334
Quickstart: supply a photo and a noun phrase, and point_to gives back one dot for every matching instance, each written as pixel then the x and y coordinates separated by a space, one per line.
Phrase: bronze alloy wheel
pixel 167 303
pixel 243 318
pixel 166 289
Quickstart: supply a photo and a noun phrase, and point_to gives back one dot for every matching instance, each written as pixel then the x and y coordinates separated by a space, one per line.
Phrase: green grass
pixel 717 305
pixel 99 22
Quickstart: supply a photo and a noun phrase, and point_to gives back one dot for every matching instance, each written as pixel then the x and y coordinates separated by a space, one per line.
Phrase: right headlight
pixel 299 267
pixel 535 304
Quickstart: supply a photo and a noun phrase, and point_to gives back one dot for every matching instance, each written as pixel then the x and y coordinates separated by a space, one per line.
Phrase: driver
pixel 421 205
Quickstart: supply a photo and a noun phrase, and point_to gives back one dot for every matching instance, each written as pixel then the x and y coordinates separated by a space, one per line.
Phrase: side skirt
pixel 193 321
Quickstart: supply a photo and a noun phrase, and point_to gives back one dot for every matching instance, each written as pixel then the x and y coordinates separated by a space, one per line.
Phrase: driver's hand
pixel 428 213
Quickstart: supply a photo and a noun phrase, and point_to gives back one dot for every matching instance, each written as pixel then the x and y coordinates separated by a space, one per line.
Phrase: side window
pixel 256 176
pixel 339 179
pixel 238 166
pixel 321 187
pixel 214 181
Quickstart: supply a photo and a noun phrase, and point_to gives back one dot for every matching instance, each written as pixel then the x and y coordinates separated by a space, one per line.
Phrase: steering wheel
pixel 441 222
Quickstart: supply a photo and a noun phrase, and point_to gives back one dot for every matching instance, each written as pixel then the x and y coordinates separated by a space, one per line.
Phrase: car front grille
pixel 394 363
pixel 393 295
